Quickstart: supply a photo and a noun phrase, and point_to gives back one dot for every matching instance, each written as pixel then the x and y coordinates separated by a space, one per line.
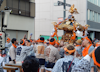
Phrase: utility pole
pixel 64 4
pixel 64 15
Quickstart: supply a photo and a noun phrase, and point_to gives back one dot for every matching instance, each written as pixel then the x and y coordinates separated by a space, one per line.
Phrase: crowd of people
pixel 53 56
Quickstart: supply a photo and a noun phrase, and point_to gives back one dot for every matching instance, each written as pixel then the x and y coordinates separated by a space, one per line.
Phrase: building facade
pixel 46 13
pixel 21 19
pixel 93 18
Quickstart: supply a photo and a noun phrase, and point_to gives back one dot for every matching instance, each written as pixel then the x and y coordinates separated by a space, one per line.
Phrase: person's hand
pixel 24 36
pixel 31 34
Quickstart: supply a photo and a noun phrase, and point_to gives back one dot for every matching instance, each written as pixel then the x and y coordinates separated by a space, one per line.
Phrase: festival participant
pixel 30 47
pixel 33 43
pixel 31 40
pixel 40 53
pixel 65 64
pixel 27 42
pixel 61 51
pixel 8 43
pixel 78 52
pixel 37 41
pixel 87 43
pixel 5 54
pixel 25 37
pixel 56 44
pixel 84 63
pixel 21 52
pixel 47 43
pixel 52 55
pixel 94 39
pixel 12 51
pixel 97 44
pixel 30 64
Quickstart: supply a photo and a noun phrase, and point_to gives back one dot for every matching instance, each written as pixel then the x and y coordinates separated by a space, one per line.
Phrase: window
pixel 99 17
pixel 91 15
pixel 9 3
pixel 21 7
pixel 15 6
pixel 95 16
pixel 92 1
pixel 98 2
pixel 95 2
pixel 88 14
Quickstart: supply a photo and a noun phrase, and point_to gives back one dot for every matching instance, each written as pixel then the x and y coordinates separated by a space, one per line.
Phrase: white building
pixel 22 18
pixel 46 13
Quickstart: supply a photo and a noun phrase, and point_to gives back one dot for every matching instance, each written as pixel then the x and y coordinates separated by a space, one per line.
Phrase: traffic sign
pixel 62 3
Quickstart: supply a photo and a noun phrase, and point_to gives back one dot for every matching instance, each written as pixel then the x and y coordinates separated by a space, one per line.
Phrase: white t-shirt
pixel 22 52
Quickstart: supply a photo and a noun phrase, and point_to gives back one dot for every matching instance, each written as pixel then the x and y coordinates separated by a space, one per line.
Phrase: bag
pixel 70 65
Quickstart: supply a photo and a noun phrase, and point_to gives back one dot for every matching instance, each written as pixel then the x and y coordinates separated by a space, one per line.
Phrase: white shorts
pixel 42 66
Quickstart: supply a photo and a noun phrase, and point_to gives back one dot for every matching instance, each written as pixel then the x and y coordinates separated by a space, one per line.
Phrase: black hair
pixel 13 40
pixel 28 40
pixel 33 43
pixel 21 42
pixel 30 64
pixel 90 39
pixel 31 39
pixel 47 39
pixel 97 53
pixel 42 38
pixel 47 43
pixel 52 39
pixel 36 42
pixel 70 47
